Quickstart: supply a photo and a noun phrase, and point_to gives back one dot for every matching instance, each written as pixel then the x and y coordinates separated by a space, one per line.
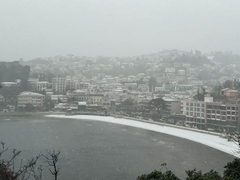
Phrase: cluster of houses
pixel 102 84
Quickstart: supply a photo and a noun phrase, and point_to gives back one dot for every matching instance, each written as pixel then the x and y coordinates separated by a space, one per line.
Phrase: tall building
pixel 59 84
pixel 195 112
pixel 214 115
pixel 32 84
pixel 223 116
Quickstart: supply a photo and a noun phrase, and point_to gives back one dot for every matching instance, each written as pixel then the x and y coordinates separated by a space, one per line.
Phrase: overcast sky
pixel 43 28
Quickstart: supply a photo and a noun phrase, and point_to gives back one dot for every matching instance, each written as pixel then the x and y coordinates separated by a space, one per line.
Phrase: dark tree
pixel 200 95
pixel 152 84
pixel 232 170
pixel 128 103
pixel 52 159
pixel 10 169
pixel 48 104
pixel 10 93
pixel 158 103
pixel 228 84
pixel 29 108
pixel 158 175
pixel 198 175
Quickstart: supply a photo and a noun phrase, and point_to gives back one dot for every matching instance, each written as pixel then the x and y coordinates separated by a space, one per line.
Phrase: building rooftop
pixel 29 93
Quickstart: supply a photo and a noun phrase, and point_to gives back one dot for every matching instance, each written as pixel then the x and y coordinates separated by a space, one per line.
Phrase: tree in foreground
pixel 198 175
pixel 231 172
pixel 12 170
pixel 159 175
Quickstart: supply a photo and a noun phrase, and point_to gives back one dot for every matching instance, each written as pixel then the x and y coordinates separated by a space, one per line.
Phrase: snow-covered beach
pixel 213 141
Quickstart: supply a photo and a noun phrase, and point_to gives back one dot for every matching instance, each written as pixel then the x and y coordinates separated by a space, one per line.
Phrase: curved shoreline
pixel 214 141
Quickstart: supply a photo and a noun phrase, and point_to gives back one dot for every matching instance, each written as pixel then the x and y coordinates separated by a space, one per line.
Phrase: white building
pixel 42 85
pixel 181 72
pixel 9 84
pixel 27 97
pixel 195 112
pixel 59 84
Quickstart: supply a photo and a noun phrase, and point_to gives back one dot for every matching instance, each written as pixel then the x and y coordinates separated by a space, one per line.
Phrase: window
pixel 223 107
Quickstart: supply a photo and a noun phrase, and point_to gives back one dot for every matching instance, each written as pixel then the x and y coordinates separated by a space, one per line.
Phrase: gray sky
pixel 42 28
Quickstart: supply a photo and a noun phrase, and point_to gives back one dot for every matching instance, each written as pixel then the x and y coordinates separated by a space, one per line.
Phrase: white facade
pixel 59 84
pixel 27 97
pixel 42 85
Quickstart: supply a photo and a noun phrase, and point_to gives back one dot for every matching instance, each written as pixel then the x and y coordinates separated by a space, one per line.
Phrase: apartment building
pixel 81 85
pixel 213 115
pixel 59 84
pixel 27 97
pixel 223 116
pixel 95 99
pixel 32 84
pixel 172 106
pixel 42 85
pixel 195 112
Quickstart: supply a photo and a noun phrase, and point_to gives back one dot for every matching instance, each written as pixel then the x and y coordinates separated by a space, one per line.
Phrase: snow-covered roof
pixel 82 103
pixel 29 93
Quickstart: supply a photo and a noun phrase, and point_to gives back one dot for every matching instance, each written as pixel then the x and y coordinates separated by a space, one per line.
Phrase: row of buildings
pixel 212 115
pixel 207 114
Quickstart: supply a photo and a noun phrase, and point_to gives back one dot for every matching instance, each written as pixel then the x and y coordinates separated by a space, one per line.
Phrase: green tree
pixel 158 103
pixel 158 175
pixel 232 170
pixel 198 175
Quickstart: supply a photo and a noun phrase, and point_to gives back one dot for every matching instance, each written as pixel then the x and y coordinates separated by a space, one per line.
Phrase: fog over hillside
pixel 43 28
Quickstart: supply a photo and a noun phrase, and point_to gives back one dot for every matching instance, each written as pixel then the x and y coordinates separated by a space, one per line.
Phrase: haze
pixel 42 28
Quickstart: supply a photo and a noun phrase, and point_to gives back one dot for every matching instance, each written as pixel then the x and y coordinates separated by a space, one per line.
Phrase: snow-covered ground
pixel 210 140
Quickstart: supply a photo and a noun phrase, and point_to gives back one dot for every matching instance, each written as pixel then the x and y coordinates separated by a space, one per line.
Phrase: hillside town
pixel 183 88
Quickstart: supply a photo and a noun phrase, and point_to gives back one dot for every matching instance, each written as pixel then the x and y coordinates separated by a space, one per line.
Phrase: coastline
pixel 212 140
pixel 31 113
